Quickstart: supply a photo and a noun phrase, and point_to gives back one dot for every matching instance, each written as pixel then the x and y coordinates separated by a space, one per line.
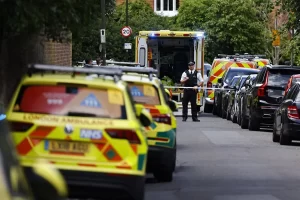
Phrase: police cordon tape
pixel 198 88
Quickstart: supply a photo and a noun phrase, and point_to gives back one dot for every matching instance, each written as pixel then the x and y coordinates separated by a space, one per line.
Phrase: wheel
pixel 253 124
pixel 214 110
pixel 228 113
pixel 208 108
pixel 275 137
pixel 284 139
pixel 223 112
pixel 164 174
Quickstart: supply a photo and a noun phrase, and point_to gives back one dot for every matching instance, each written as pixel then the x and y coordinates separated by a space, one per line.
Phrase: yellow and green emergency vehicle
pixel 87 127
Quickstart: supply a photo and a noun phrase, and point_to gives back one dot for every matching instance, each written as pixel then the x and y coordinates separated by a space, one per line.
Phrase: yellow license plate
pixel 68 147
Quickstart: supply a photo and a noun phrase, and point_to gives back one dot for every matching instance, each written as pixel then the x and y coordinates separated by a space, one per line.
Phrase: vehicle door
pixel 252 93
pixel 287 101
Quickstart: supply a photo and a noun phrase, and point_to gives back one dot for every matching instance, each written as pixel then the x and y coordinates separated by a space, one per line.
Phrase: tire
pixel 223 113
pixel 164 174
pixel 252 123
pixel 228 114
pixel 275 137
pixel 208 108
pixel 284 139
pixel 214 110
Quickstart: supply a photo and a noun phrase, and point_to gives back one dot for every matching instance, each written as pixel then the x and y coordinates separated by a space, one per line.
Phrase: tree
pixel 232 26
pixel 21 22
pixel 141 17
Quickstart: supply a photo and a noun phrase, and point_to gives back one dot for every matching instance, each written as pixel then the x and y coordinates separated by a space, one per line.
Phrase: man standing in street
pixel 190 78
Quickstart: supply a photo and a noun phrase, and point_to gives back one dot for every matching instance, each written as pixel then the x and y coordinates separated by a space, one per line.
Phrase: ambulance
pixel 170 52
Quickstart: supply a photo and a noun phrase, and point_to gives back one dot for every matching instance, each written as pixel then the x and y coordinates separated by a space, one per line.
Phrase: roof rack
pixel 139 70
pixel 122 63
pixel 39 68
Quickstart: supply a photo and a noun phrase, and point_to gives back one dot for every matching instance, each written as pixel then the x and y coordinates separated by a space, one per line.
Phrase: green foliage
pixel 167 81
pixel 141 17
pixel 232 26
pixel 29 17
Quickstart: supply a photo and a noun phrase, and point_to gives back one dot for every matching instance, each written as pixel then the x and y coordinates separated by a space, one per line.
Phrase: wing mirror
pixel 247 82
pixel 173 105
pixel 47 183
pixel 220 80
pixel 287 101
pixel 243 89
pixel 143 115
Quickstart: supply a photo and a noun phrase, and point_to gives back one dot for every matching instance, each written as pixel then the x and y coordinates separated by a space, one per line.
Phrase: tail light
pixel 261 90
pixel 293 112
pixel 20 126
pixel 165 119
pixel 129 135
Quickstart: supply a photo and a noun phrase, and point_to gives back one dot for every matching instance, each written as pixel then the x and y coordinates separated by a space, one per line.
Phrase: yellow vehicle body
pixel 219 67
pixel 80 124
pixel 150 94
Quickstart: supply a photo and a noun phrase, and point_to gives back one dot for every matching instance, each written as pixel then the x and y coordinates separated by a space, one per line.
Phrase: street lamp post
pixel 126 12
pixel 102 33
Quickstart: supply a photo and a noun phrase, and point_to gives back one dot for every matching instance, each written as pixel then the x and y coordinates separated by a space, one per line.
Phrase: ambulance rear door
pixel 142 51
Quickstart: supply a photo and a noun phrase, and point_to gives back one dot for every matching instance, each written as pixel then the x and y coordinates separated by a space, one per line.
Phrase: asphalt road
pixel 217 160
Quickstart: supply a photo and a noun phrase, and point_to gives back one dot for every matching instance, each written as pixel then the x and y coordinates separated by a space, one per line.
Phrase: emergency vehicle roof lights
pixel 39 68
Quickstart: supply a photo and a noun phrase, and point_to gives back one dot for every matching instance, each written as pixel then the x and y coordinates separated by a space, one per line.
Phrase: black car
pixel 286 125
pixel 242 115
pixel 266 93
pixel 223 82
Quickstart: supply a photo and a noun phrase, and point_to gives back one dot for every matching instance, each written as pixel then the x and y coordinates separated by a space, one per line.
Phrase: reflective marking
pixel 136 92
pixel 91 101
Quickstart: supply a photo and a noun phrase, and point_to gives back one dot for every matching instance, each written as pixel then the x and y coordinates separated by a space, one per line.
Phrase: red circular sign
pixel 126 31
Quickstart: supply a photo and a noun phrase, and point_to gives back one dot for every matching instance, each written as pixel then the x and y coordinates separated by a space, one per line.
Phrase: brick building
pixel 162 7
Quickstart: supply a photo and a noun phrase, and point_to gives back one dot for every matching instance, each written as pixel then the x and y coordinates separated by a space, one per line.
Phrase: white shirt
pixel 199 77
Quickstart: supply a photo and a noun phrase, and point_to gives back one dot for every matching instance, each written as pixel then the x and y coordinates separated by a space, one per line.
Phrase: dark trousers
pixel 189 95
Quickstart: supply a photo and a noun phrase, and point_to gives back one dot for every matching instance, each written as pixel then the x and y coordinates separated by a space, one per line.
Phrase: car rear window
pixel 280 77
pixel 233 73
pixel 144 93
pixel 71 101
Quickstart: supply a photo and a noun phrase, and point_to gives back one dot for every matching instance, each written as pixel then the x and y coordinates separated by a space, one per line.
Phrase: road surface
pixel 217 160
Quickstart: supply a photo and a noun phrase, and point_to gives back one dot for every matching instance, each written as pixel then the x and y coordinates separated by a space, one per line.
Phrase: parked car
pixel 286 125
pixel 266 94
pixel 295 78
pixel 234 99
pixel 229 92
pixel 242 116
pixel 223 82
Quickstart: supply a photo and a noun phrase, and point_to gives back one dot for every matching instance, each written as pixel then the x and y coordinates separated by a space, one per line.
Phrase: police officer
pixel 190 78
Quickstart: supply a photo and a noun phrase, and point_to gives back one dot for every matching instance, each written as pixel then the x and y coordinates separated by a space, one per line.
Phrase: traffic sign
pixel 276 38
pixel 126 31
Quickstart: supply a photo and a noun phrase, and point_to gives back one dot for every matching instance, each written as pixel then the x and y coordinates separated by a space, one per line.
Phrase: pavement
pixel 217 160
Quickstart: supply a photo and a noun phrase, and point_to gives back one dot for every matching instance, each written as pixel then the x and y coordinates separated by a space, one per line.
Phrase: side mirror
pixel 220 80
pixel 279 99
pixel 145 118
pixel 247 82
pixel 47 183
pixel 226 86
pixel 243 89
pixel 173 105
pixel 287 102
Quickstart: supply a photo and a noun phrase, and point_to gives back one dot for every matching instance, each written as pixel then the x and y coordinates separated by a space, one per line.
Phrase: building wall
pixel 56 53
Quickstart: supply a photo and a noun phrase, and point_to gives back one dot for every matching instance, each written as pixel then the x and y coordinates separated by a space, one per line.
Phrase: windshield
pixel 71 101
pixel 233 82
pixel 144 93
pixel 242 82
pixel 280 77
pixel 232 74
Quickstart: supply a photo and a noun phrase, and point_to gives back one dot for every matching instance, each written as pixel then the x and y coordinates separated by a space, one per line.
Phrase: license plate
pixel 65 146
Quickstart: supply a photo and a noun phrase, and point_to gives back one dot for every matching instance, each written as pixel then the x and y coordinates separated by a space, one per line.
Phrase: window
pixel 166 7
pixel 144 94
pixel 71 101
